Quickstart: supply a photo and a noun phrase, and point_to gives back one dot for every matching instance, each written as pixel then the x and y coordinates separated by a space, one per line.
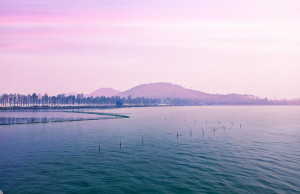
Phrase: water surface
pixel 157 150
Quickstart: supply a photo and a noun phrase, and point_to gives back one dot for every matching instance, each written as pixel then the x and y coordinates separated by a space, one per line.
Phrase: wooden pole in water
pixel 240 125
pixel 142 140
pixel 177 135
pixel 120 143
pixel 202 131
pixel 206 121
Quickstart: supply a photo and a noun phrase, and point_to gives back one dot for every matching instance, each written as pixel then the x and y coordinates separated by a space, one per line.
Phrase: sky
pixel 214 46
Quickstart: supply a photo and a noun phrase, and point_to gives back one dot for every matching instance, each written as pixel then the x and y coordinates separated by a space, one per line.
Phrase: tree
pixel 119 103
pixel 34 99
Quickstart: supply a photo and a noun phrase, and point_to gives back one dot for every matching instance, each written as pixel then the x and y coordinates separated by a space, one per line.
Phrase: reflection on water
pixel 12 121
pixel 11 117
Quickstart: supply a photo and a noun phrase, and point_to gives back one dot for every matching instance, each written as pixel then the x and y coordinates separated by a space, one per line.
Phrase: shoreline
pixel 105 116
pixel 126 106
pixel 77 107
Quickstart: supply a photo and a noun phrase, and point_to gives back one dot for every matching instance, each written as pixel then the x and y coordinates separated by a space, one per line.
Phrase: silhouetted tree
pixel 119 103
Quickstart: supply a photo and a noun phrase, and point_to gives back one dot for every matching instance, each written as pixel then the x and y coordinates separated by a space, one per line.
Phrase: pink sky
pixel 215 46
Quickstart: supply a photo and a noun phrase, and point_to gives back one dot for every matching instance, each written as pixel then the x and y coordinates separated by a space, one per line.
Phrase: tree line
pixel 230 99
pixel 37 100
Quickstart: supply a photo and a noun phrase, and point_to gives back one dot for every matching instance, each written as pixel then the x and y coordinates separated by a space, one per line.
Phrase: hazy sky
pixel 215 46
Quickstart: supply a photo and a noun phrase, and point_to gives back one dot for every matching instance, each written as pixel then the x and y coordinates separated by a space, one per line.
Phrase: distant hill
pixel 173 94
pixel 108 92
pixel 163 90
pixel 178 95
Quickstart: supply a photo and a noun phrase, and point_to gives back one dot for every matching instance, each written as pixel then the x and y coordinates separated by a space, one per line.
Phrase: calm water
pixel 27 116
pixel 261 156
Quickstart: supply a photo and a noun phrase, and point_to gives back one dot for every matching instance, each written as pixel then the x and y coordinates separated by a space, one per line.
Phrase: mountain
pixel 177 95
pixel 108 92
pixel 162 90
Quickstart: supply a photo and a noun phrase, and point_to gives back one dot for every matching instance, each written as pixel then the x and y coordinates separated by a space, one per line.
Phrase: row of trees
pixel 230 99
pixel 37 100
pixel 19 100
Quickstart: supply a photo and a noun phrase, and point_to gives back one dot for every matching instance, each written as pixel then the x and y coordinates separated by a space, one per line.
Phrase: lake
pixel 204 149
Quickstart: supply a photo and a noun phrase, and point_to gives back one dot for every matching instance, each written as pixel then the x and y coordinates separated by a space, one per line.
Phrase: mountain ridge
pixel 162 90
pixel 107 92
pixel 174 94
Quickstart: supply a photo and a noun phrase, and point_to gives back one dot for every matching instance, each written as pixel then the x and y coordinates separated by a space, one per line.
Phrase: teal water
pixel 33 116
pixel 260 156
